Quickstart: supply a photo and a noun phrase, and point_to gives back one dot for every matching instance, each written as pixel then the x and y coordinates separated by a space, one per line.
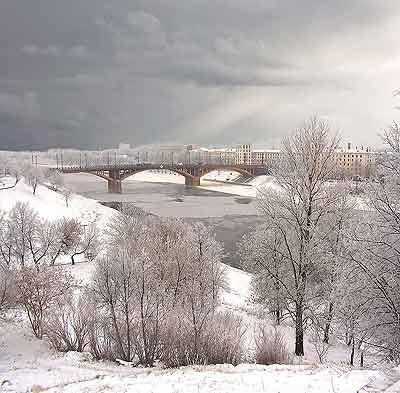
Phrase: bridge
pixel 115 174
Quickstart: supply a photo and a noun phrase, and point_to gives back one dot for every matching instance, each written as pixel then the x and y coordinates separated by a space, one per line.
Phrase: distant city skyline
pixel 90 74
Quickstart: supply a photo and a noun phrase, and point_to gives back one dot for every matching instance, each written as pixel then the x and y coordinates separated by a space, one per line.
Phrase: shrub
pixel 7 289
pixel 68 326
pixel 271 347
pixel 177 343
pixel 221 341
pixel 41 293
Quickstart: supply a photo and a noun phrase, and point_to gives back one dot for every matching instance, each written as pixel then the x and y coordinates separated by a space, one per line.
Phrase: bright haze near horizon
pixel 90 74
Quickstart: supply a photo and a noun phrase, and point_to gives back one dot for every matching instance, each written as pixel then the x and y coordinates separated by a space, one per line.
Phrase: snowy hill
pixel 51 205
pixel 28 364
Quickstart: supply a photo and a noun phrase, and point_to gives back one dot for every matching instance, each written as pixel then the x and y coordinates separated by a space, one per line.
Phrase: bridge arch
pixel 190 179
pixel 136 171
pixel 191 172
pixel 237 169
pixel 86 172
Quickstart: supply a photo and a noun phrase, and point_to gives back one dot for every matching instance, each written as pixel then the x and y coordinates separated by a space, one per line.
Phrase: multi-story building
pixel 355 162
pixel 350 162
pixel 265 157
pixel 244 154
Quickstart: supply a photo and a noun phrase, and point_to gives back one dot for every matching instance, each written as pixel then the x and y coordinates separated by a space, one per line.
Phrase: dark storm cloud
pixel 93 73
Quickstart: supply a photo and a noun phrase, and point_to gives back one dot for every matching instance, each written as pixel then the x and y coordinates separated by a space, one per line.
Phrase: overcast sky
pixel 93 73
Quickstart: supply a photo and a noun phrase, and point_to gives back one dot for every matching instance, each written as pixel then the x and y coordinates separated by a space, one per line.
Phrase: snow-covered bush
pixel 224 339
pixel 7 289
pixel 68 326
pixel 41 293
pixel 26 239
pixel 321 346
pixel 35 176
pixel 221 340
pixel 155 268
pixel 55 179
pixel 270 346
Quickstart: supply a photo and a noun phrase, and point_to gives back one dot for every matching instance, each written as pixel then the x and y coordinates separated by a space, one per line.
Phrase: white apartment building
pixel 244 154
pixel 350 162
pixel 356 161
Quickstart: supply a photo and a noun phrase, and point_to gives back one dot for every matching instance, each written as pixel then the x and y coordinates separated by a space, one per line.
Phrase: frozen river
pixel 230 216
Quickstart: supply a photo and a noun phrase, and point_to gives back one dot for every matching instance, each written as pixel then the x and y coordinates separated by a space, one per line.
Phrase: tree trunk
pixel 278 316
pixel 328 323
pixel 299 347
pixel 352 353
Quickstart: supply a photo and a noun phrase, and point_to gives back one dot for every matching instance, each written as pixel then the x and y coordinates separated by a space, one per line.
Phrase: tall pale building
pixel 350 162
pixel 244 154
pixel 358 161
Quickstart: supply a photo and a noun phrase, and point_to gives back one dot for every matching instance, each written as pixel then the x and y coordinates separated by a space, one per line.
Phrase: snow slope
pixel 51 205
pixel 249 190
pixel 27 364
pixel 207 183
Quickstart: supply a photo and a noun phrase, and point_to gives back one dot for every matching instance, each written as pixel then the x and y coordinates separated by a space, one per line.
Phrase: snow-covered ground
pixel 208 182
pixel 249 190
pixel 28 364
pixel 51 205
pixel 162 175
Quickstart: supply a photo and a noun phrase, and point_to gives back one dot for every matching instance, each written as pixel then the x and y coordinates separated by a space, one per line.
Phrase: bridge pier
pixel 115 186
pixel 192 181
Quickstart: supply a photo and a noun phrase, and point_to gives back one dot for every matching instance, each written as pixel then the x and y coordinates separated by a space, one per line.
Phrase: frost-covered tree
pixel 296 212
pixel 67 195
pixel 334 259
pixel 377 253
pixel 156 270
pixel 6 240
pixel 27 239
pixel 23 223
pixel 41 292
pixel 257 248
pixel 34 176
pixel 83 240
pixel 55 179
pixel 7 288
pixel 203 284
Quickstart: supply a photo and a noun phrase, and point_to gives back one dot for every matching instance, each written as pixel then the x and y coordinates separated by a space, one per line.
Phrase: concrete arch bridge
pixel 115 174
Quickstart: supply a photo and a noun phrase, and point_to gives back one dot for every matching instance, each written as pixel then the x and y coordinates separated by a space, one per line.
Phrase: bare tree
pixel 41 292
pixel 7 288
pixel 67 195
pixel 80 239
pixel 156 268
pixel 257 248
pixel 334 278
pixel 23 221
pixel 202 287
pixel 35 176
pixel 68 326
pixel 376 253
pixel 318 339
pixel 6 240
pixel 296 212
pixel 55 179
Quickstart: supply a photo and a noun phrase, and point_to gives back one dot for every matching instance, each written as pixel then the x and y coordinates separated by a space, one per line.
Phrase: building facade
pixel 244 154
pixel 355 162
pixel 350 162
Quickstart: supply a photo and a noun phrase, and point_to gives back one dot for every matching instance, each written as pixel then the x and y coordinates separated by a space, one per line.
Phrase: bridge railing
pixel 157 166
pixel 107 159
